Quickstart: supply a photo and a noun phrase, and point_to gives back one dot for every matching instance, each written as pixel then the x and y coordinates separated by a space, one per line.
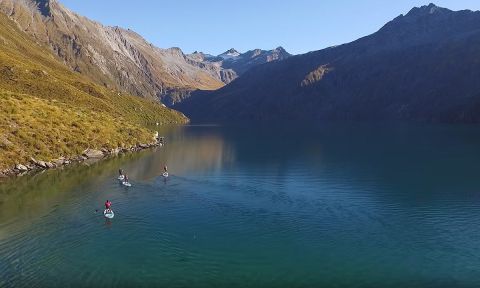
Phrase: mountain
pixel 48 111
pixel 421 66
pixel 236 63
pixel 230 54
pixel 111 56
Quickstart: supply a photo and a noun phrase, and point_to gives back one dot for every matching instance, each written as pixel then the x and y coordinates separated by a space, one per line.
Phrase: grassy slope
pixel 47 111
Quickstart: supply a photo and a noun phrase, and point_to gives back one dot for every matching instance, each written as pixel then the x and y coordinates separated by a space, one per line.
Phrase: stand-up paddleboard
pixel 165 174
pixel 126 184
pixel 108 214
pixel 121 177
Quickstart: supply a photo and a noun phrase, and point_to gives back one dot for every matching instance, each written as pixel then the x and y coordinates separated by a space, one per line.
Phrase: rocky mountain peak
pixel 427 10
pixel 231 53
pixel 281 52
pixel 422 24
pixel 175 51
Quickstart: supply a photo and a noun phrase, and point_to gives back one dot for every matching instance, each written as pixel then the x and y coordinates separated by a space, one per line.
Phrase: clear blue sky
pixel 213 26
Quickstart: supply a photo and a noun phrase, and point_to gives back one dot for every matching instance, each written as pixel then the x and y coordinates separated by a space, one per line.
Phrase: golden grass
pixel 43 129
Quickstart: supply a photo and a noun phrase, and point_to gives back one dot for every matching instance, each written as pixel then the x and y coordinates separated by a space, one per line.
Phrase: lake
pixel 340 205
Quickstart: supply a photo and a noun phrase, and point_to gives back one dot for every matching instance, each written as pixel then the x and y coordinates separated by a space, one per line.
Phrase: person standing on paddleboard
pixel 120 171
pixel 165 168
pixel 108 206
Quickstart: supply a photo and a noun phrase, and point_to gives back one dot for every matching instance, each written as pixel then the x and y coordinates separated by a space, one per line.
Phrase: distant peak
pixel 231 51
pixel 427 10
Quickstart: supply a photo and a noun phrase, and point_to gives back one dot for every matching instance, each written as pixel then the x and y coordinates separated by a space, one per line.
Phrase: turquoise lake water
pixel 334 206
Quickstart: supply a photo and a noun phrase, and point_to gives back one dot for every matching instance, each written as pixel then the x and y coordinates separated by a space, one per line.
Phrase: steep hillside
pixel 111 56
pixel 424 65
pixel 48 111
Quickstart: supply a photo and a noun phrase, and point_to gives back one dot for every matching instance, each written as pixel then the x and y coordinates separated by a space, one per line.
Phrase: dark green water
pixel 336 206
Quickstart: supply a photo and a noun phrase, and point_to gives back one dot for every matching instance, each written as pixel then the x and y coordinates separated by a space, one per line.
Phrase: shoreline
pixel 36 166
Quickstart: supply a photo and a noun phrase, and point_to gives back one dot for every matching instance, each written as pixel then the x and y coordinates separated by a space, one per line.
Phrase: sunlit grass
pixel 43 129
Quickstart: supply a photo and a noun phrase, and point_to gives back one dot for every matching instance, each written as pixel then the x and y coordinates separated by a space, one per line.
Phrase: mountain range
pixel 419 66
pixel 238 63
pixel 422 66
pixel 116 57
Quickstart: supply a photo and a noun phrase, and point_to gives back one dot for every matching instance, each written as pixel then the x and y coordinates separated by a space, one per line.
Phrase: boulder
pixel 50 165
pixel 21 168
pixel 144 146
pixel 92 153
pixel 42 164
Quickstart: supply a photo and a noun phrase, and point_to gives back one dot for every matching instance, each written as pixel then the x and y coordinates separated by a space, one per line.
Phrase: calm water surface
pixel 339 206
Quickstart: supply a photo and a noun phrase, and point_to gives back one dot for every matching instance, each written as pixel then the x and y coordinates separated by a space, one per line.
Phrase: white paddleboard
pixel 126 184
pixel 121 177
pixel 165 174
pixel 107 214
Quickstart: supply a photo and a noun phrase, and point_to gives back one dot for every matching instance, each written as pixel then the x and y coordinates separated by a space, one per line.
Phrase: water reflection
pixel 186 149
pixel 25 198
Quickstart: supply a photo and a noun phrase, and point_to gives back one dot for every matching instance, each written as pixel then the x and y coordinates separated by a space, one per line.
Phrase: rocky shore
pixel 37 166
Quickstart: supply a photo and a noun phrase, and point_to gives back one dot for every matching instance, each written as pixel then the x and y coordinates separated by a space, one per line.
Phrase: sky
pixel 214 26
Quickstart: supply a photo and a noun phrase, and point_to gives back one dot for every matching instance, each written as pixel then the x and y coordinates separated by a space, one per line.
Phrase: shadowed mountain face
pixel 420 66
pixel 111 56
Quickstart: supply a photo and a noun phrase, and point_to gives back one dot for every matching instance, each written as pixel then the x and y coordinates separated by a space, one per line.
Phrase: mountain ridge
pixel 120 58
pixel 238 63
pixel 419 66
pixel 111 56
